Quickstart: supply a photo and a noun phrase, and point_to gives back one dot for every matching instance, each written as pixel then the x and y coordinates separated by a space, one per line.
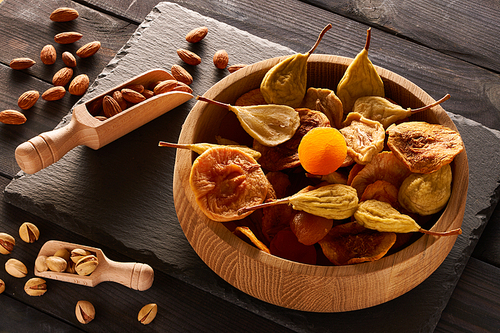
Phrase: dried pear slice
pixel 326 101
pixel 223 179
pixel 200 148
pixel 268 124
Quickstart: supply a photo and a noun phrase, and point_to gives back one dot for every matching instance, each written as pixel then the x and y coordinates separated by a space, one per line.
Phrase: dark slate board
pixel 121 194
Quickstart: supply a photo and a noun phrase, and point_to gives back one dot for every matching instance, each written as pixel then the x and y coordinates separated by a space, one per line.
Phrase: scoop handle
pixel 134 275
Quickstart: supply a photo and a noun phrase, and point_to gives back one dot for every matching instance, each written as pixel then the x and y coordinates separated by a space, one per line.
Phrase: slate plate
pixel 121 194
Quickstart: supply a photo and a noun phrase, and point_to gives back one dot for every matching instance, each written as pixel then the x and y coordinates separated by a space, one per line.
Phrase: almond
pixel 189 57
pixel 148 93
pixel 54 93
pixel 137 87
pixel 88 49
pixel 67 37
pixel 181 74
pixel 132 96
pixel 183 87
pixel 12 117
pixel 234 68
pixel 165 86
pixel 94 107
pixel 197 34
pixel 62 76
pixel 79 85
pixel 48 55
pixel 21 63
pixel 221 59
pixel 117 96
pixel 28 99
pixel 63 14
pixel 110 107
pixel 68 59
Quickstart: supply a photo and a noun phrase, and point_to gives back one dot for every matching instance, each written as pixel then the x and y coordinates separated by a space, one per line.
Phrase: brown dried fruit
pixel 234 68
pixel 309 228
pixel 164 86
pixel 286 245
pixel 68 59
pixel 221 59
pixel 196 35
pixel 79 85
pixel 181 74
pixel 326 101
pixel 110 106
pixel 246 231
pixel 54 93
pixel 21 63
pixel 48 55
pixel 67 37
pixel 28 99
pixel 189 57
pixel 88 49
pixel 63 14
pixel 253 97
pixel 62 76
pixel 132 96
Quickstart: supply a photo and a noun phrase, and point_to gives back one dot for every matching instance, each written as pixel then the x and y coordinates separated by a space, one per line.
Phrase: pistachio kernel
pixel 84 312
pixel 35 287
pixel 86 265
pixel 7 243
pixel 16 268
pixel 147 313
pixel 41 264
pixel 29 232
pixel 56 264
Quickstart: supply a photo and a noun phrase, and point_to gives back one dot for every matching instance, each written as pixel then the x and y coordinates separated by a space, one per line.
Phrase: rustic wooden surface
pixel 462 40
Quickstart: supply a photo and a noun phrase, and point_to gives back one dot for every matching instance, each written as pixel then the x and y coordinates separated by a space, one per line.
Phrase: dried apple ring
pixel 225 179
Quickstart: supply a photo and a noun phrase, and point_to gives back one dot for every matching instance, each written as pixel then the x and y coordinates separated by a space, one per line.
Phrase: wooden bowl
pixel 300 286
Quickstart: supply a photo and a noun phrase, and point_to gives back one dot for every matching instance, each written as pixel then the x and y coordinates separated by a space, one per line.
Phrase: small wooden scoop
pixel 83 129
pixel 131 274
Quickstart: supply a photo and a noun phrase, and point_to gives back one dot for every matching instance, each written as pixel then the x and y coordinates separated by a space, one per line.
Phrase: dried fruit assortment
pixel 348 175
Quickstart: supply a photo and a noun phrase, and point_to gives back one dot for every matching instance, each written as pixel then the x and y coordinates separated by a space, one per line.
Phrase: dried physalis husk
pixel 29 232
pixel 2 286
pixel 286 82
pixel 223 179
pixel 147 313
pixel 333 201
pixel 200 148
pixel 326 101
pixel 16 268
pixel 41 264
pixel 364 137
pixel 381 216
pixel 85 312
pixel 268 124
pixel 424 147
pixel 360 79
pixel 7 243
pixel 426 194
pixel 251 236
pixel 351 243
pixel 35 287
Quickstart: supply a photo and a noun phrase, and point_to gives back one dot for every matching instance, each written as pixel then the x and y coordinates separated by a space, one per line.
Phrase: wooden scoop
pixel 83 129
pixel 131 274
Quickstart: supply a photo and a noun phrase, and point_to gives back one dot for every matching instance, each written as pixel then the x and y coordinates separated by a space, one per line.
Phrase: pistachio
pixel 56 264
pixel 41 264
pixel 2 286
pixel 29 232
pixel 16 268
pixel 85 312
pixel 147 313
pixel 77 254
pixel 86 265
pixel 7 243
pixel 71 267
pixel 63 253
pixel 35 287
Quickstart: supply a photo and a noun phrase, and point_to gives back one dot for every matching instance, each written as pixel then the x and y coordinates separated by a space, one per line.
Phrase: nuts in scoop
pixel 86 265
pixel 56 264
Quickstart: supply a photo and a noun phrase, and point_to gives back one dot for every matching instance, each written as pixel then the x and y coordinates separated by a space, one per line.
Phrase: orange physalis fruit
pixel 322 150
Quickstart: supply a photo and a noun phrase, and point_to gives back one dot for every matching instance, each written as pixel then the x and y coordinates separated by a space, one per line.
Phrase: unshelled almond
pixel 63 14
pixel 182 87
pixel 189 57
pixel 21 63
pixel 132 96
pixel 79 85
pixel 221 59
pixel 28 99
pixel 88 49
pixel 62 76
pixel 148 93
pixel 67 37
pixel 68 59
pixel 196 35
pixel 165 86
pixel 95 107
pixel 110 106
pixel 181 74
pixel 137 87
pixel 117 96
pixel 234 68
pixel 48 54
pixel 54 93
pixel 12 117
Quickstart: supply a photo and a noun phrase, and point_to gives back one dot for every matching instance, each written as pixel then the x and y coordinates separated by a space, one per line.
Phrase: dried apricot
pixel 286 245
pixel 310 228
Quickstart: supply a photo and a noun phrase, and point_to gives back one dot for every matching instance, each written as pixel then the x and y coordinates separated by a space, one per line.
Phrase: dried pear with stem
pixel 381 216
pixel 333 201
pixel 286 82
pixel 269 124
pixel 386 112
pixel 200 148
pixel 360 79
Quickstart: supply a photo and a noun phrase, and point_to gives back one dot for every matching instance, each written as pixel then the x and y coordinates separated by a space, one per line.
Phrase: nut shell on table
pixel 88 49
pixel 68 59
pixel 54 93
pixel 7 243
pixel 16 268
pixel 196 35
pixel 29 232
pixel 35 287
pixel 28 99
pixel 67 37
pixel 48 54
pixel 63 14
pixel 21 63
pixel 2 286
pixel 147 313
pixel 56 264
pixel 79 85
pixel 62 76
pixel 86 265
pixel 85 312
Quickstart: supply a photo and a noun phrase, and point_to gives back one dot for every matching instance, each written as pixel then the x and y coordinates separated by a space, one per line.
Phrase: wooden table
pixel 463 46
